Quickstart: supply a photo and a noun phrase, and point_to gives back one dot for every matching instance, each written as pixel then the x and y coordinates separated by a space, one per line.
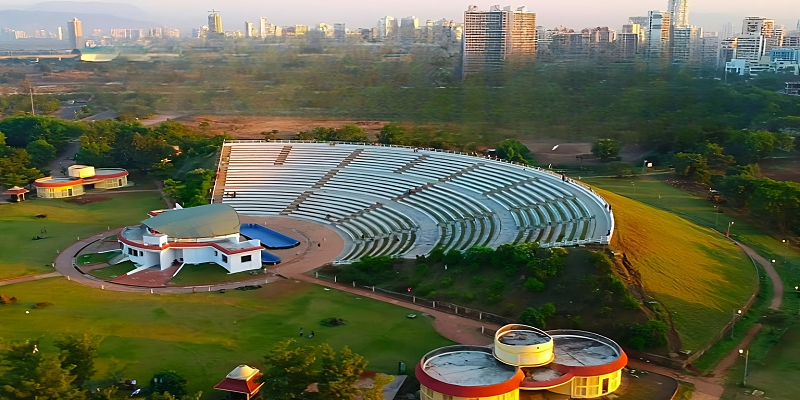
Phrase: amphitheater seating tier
pixel 403 202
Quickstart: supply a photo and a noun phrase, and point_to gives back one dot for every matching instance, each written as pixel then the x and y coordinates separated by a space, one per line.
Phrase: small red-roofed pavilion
pixel 242 382
pixel 17 193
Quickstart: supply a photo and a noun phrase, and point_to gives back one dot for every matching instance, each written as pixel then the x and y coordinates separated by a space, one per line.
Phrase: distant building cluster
pixel 488 39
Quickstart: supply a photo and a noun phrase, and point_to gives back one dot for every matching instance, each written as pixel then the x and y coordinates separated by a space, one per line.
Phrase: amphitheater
pixel 404 201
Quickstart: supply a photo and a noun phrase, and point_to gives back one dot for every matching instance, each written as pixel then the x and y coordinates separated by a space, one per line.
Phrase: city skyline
pixel 702 12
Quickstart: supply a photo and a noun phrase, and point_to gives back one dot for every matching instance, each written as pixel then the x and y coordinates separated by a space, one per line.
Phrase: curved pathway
pixel 777 283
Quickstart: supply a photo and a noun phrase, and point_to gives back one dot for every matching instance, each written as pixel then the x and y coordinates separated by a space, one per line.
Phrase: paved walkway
pixel 28 278
pixel 777 284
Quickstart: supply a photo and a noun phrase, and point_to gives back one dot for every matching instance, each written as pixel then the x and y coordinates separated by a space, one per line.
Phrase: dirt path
pixel 777 284
pixel 28 278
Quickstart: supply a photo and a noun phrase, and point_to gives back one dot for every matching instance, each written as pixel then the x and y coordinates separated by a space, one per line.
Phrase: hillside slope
pixel 696 274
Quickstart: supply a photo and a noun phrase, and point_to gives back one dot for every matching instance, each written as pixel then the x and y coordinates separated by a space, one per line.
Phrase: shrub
pixel 422 269
pixel 637 343
pixel 432 293
pixel 494 298
pixel 548 310
pixel 477 280
pixel 653 333
pixel 615 285
pixel 538 317
pixel 7 300
pixel 453 257
pixel 601 261
pixel 606 311
pixel 452 294
pixel 474 267
pixel 469 296
pixel 436 255
pixel 534 285
pixel 576 321
pixel 479 255
pixel 629 302
pixel 446 282
pixel 498 285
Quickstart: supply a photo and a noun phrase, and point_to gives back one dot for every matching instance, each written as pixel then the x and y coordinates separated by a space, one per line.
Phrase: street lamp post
pixel 728 232
pixel 797 290
pixel 716 211
pixel 634 188
pixel 736 314
pixel 746 354
pixel 786 251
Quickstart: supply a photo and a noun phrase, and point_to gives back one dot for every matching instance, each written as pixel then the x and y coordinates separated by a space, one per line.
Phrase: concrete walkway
pixel 777 284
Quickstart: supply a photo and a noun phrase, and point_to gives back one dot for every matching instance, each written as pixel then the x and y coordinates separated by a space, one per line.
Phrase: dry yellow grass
pixel 696 274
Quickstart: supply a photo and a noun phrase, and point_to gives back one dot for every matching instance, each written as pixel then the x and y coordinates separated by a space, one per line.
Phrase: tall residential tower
pixel 491 37
pixel 75 34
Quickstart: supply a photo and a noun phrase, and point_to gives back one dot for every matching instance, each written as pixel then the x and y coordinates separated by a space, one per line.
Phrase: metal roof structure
pixel 213 220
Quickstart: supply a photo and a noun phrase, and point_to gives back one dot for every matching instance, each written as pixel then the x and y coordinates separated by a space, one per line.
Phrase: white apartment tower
pixel 249 30
pixel 263 27
pixel 408 28
pixel 75 34
pixel 491 37
pixel 679 13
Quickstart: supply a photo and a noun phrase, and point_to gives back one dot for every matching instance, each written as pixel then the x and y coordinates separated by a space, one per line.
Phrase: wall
pixel 236 264
pixel 112 183
pixel 429 394
pixel 59 192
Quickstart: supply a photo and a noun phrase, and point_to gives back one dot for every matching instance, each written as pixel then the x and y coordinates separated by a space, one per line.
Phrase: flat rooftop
pixel 582 351
pixel 468 368
pixel 541 374
pixel 523 338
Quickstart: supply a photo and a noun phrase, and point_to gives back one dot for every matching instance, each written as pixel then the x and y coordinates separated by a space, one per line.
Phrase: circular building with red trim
pixel 578 364
pixel 80 178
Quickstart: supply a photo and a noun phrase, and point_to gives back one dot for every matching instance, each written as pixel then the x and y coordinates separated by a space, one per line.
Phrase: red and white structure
pixel 197 235
pixel 78 179
pixel 578 364
pixel 242 382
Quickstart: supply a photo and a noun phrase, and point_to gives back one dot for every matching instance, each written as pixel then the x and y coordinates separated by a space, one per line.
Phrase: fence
pixel 443 306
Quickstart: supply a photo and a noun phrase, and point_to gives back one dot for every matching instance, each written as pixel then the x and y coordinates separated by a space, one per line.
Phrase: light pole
pixel 634 188
pixel 728 232
pixel 716 211
pixel 746 354
pixel 736 313
pixel 786 251
pixel 797 292
pixel 644 166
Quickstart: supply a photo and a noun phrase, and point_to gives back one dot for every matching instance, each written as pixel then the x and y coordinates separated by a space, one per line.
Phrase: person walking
pixel 301 331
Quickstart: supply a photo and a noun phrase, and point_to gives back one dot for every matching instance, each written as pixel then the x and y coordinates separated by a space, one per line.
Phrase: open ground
pixel 251 127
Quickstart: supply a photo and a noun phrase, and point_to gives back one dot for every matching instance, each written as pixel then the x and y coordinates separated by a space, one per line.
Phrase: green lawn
pixel 207 273
pixel 113 271
pixel 65 222
pixel 698 276
pixel 205 335
pixel 95 258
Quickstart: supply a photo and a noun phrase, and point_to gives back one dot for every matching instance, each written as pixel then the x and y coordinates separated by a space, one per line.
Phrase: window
pixel 216 253
pixel 247 258
pixel 605 385
pixel 224 258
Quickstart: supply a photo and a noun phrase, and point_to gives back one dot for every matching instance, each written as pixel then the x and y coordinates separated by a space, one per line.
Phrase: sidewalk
pixel 28 278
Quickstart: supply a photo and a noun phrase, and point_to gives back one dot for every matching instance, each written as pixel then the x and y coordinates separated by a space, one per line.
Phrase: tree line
pixel 30 373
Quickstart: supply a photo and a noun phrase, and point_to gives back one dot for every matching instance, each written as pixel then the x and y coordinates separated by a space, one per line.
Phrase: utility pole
pixel 746 361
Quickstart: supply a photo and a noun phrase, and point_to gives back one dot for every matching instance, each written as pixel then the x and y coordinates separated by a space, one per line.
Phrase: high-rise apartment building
pixel 263 27
pixel 679 13
pixel 708 48
pixel 249 30
pixel 628 45
pixel 657 35
pixel 387 28
pixel 491 37
pixel 75 34
pixel 339 32
pixel 408 28
pixel 215 23
pixel 59 33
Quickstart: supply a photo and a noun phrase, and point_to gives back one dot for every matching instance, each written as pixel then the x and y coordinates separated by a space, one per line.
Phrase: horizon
pixel 184 15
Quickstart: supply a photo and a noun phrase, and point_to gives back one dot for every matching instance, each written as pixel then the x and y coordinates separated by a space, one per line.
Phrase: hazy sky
pixel 570 13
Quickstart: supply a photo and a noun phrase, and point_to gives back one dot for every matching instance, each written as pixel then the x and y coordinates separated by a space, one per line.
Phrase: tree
pixel 513 150
pixel 481 255
pixel 168 382
pixel 78 352
pixel 716 157
pixel 340 371
pixel 606 149
pixel 692 166
pixel 289 371
pixel 620 169
pixel 30 375
pixel 14 168
pixel 391 133
pixel 41 152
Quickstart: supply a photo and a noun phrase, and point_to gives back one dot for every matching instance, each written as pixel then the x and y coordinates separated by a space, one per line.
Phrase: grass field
pixel 65 222
pixel 113 271
pixel 698 276
pixel 95 258
pixel 207 273
pixel 205 335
